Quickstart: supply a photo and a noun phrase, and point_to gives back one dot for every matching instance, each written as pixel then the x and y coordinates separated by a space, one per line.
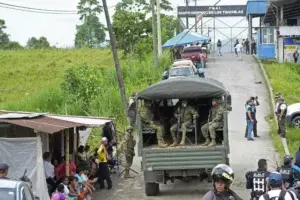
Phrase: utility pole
pixel 116 59
pixel 154 34
pixel 158 28
pixel 187 18
pixel 196 20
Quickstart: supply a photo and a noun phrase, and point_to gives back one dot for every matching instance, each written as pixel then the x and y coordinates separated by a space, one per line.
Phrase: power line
pixel 32 11
pixel 21 8
pixel 37 9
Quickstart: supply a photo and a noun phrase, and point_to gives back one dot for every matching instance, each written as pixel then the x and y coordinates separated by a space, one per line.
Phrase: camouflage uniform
pixel 146 117
pixel 215 121
pixel 187 114
pixel 128 150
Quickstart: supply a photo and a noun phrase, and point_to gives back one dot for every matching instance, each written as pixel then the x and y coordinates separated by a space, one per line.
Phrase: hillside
pixel 28 71
pixel 31 80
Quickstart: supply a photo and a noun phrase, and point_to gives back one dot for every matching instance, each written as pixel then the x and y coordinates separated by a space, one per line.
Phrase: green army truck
pixel 191 161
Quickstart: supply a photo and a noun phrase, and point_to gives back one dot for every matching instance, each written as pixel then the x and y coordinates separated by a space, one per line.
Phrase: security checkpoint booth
pixel 284 16
pixel 24 137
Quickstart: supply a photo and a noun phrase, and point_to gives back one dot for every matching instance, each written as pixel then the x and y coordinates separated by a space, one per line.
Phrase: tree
pixel 130 28
pixel 41 43
pixel 91 32
pixel 4 38
pixel 142 5
pixel 168 26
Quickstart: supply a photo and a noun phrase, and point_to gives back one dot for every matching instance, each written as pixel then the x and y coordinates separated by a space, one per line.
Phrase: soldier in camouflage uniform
pixel 128 149
pixel 185 114
pixel 214 122
pixel 147 116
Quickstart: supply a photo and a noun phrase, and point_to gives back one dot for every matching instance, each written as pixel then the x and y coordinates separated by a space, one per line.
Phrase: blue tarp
pixel 188 39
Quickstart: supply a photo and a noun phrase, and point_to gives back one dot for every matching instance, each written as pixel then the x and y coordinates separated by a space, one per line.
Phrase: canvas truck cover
pixel 184 88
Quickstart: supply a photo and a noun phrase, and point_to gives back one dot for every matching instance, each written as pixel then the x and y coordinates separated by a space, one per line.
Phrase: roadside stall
pixel 24 137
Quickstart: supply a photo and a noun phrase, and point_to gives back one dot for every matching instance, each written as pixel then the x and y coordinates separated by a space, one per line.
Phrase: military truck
pixel 191 161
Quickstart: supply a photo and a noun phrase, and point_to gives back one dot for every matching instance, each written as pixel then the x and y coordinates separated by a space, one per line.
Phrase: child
pixel 59 195
pixel 65 182
pixel 73 188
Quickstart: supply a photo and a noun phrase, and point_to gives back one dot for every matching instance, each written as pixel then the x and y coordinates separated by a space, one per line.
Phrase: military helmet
pixel 287 159
pixel 129 128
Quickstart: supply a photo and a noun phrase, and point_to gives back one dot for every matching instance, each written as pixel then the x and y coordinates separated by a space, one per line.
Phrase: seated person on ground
pixel 60 170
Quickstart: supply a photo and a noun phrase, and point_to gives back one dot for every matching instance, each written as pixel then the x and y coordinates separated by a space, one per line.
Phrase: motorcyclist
pixel 222 176
pixel 256 180
pixel 289 171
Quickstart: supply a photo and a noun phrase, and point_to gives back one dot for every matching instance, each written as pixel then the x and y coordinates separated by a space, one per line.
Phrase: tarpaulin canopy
pixel 184 88
pixel 188 39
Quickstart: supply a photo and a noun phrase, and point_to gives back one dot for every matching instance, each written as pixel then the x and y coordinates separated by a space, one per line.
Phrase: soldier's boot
pixel 213 143
pixel 162 144
pixel 183 139
pixel 207 142
pixel 174 144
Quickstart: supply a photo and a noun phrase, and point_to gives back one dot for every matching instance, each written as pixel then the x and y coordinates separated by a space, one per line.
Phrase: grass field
pixel 30 80
pixel 285 78
pixel 26 72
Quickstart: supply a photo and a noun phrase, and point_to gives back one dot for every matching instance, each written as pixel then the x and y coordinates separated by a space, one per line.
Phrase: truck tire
pixel 296 121
pixel 151 189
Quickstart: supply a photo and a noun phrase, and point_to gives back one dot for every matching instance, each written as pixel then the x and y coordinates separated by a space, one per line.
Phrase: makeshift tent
pixel 189 38
pixel 184 87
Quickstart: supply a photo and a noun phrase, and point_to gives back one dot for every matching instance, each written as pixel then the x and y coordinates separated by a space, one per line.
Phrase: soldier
pixel 128 149
pixel 131 111
pixel 215 121
pixel 185 115
pixel 147 118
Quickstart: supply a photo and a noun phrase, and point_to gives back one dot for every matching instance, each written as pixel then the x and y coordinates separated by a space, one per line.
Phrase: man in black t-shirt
pixel 250 116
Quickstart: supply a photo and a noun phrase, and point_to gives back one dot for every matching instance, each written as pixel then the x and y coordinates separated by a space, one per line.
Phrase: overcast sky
pixel 60 29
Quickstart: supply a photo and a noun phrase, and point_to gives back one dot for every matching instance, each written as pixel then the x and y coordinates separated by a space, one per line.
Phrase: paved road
pixel 240 79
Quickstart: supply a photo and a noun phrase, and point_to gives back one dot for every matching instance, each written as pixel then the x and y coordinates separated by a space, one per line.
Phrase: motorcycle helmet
pixel 223 172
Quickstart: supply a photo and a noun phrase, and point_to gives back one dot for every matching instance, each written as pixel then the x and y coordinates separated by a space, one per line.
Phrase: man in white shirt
pixel 49 171
pixel 277 191
pixel 239 50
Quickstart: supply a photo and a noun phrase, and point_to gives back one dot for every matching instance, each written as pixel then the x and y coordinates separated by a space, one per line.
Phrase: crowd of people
pixel 88 169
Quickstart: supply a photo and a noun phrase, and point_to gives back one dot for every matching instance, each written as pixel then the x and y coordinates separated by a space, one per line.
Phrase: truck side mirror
pixel 229 99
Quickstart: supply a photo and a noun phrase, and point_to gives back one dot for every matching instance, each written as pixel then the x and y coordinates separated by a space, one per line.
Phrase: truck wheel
pixel 151 189
pixel 296 121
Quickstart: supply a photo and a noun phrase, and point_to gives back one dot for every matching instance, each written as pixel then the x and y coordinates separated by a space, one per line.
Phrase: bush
pixel 285 79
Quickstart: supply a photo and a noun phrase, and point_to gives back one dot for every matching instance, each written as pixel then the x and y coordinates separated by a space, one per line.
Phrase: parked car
pixel 16 190
pixel 184 67
pixel 293 115
pixel 196 54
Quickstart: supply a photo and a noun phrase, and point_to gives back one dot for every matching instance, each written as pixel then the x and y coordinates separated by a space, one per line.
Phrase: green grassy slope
pixel 28 71
pixel 285 78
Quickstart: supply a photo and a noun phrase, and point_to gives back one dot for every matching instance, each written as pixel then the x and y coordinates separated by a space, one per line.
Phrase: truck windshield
pixel 184 71
pixel 7 193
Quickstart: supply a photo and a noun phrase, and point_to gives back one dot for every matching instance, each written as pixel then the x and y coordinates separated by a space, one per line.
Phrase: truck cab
pixel 191 161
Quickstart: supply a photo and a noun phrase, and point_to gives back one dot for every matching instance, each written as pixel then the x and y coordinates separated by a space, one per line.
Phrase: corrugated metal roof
pixel 89 122
pixel 49 123
pixel 43 124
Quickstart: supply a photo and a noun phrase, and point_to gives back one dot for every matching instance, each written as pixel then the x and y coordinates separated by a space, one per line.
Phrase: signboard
pixel 212 11
pixel 291 44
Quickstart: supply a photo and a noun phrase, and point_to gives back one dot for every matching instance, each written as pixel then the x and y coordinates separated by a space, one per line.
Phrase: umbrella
pixel 189 38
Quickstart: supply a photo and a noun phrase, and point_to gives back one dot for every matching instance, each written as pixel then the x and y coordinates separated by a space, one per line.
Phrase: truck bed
pixel 183 157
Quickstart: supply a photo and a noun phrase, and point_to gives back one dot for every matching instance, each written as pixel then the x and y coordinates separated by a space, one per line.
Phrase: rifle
pixel 179 122
pixel 277 167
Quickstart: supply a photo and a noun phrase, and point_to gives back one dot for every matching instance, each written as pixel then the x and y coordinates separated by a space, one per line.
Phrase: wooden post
pixel 67 154
pixel 75 146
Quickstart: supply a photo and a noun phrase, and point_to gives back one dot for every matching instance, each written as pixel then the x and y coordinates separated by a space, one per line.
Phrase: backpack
pixel 281 196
